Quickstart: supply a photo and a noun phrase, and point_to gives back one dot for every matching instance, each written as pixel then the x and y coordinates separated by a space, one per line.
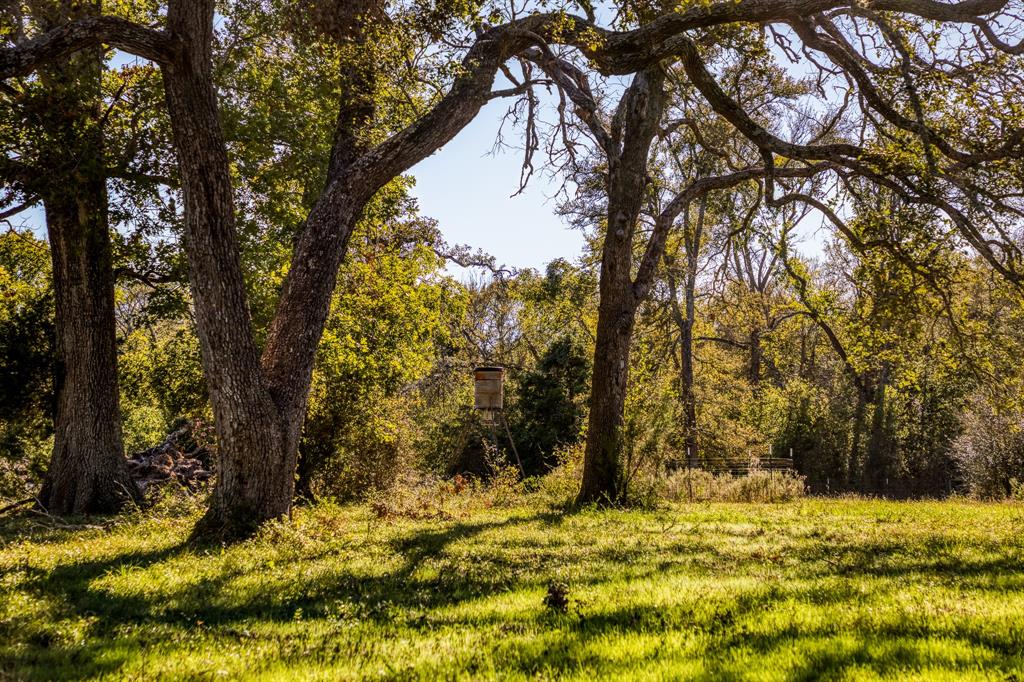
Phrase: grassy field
pixel 813 589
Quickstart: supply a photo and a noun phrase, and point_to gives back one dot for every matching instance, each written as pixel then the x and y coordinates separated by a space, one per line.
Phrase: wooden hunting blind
pixel 489 399
pixel 488 393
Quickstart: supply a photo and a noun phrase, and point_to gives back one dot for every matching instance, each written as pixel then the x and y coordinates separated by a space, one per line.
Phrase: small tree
pixel 549 410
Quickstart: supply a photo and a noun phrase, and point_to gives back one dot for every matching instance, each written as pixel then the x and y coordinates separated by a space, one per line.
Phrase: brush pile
pixel 185 457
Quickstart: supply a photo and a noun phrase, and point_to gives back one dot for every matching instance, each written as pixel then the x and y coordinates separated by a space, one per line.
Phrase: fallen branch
pixel 15 505
pixel 64 525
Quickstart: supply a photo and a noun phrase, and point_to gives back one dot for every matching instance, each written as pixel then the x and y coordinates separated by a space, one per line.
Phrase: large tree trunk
pixel 604 479
pixel 88 472
pixel 256 446
pixel 259 400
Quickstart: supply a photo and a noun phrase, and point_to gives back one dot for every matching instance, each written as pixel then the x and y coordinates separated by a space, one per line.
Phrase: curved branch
pixel 994 39
pixel 147 43
pixel 574 83
pixel 614 52
pixel 730 110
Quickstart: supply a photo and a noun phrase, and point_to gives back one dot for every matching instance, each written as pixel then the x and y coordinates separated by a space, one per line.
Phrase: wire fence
pixel 741 466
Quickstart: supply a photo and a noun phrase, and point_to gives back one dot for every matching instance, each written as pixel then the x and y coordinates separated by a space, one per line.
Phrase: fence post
pixel 689 472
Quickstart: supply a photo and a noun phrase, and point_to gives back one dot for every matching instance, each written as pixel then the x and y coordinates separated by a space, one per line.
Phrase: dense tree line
pixel 250 156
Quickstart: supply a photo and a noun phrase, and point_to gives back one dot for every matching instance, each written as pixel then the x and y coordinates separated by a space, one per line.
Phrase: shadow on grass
pixel 706 632
pixel 69 594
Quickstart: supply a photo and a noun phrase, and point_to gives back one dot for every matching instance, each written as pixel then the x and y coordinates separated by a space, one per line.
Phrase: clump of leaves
pixel 557 598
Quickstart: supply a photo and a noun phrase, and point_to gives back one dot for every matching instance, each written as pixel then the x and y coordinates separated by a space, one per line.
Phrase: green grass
pixel 814 589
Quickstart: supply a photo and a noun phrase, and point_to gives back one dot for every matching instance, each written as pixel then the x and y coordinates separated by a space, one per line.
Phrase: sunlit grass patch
pixel 811 589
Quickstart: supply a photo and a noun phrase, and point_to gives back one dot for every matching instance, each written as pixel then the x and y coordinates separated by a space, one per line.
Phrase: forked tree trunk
pixel 256 447
pixel 259 400
pixel 88 472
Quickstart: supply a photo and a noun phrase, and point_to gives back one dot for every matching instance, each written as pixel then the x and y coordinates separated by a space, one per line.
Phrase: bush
pixel 144 426
pixel 415 497
pixel 563 483
pixel 24 455
pixel 1016 490
pixel 426 497
pixel 648 490
pixel 353 454
pixel 550 406
pixel 26 363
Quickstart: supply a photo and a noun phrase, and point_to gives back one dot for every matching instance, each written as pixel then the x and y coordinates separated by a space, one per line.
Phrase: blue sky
pixel 468 191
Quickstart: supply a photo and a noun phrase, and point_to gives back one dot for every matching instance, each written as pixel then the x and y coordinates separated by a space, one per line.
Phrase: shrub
pixel 1016 490
pixel 352 455
pixel 563 483
pixel 26 362
pixel 426 497
pixel 550 406
pixel 24 454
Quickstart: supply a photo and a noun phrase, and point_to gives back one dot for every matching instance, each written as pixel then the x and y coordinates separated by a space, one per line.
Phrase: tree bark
pixel 604 479
pixel 88 472
pixel 256 446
